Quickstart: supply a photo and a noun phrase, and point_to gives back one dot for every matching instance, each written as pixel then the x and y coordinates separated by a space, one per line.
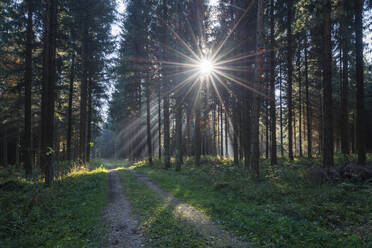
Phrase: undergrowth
pixel 66 214
pixel 283 210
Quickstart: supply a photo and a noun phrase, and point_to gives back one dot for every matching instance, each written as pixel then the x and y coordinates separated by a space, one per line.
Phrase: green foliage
pixel 283 210
pixel 161 227
pixel 66 214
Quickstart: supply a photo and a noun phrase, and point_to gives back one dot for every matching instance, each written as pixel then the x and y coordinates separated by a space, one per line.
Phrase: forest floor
pixel 132 204
pixel 285 209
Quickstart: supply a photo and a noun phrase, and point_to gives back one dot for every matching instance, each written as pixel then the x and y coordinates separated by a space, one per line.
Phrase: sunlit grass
pixel 284 210
pixel 66 214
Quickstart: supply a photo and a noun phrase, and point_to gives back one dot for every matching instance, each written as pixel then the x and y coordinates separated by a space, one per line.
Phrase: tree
pixel 28 86
pixel 49 84
pixel 360 123
pixel 289 82
pixel 327 84
pixel 272 85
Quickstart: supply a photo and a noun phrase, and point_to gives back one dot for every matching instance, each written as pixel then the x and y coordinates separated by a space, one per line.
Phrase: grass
pixel 160 226
pixel 66 214
pixel 283 210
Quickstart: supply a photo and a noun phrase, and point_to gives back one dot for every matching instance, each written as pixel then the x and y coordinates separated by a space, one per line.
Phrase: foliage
pixel 283 210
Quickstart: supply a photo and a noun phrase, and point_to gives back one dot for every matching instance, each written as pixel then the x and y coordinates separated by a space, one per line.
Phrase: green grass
pixel 66 214
pixel 283 210
pixel 160 226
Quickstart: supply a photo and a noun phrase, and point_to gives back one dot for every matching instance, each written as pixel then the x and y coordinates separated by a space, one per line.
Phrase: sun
pixel 206 67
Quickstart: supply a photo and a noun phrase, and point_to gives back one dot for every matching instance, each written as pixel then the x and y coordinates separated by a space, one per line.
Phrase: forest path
pixel 215 235
pixel 123 228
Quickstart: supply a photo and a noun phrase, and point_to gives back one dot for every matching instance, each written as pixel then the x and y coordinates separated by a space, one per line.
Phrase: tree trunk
pixel 255 152
pixel 69 114
pixel 178 133
pixel 5 147
pixel 272 86
pixel 48 93
pixel 148 123
pixel 27 158
pixel 345 81
pixel 289 83
pixel 83 94
pixel 197 129
pixel 300 103
pixel 159 120
pixel 360 123
pixel 327 79
pixel 89 121
pixel 308 106
pixel 281 112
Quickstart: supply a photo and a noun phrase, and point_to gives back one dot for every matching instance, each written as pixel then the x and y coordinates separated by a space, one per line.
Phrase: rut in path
pixel 214 234
pixel 123 229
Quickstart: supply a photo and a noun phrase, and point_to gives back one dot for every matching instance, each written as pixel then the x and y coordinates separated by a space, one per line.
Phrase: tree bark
pixel 289 83
pixel 159 120
pixel 69 114
pixel 27 149
pixel 281 112
pixel 327 84
pixel 308 106
pixel 48 93
pixel 89 121
pixel 345 82
pixel 178 134
pixel 255 152
pixel 360 119
pixel 273 154
pixel 148 123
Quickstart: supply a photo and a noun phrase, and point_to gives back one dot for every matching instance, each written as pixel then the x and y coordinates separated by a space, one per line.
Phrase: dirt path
pixel 212 232
pixel 123 230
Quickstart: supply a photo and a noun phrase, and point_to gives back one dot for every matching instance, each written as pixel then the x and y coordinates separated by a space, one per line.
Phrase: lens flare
pixel 206 67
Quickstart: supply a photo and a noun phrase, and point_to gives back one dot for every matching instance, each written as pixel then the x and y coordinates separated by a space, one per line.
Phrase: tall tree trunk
pixel 27 158
pixel 48 93
pixel 178 133
pixel 360 123
pixel 148 123
pixel 327 79
pixel 255 152
pixel 308 106
pixel 69 114
pixel 89 121
pixel 345 82
pixel 300 103
pixel 197 129
pixel 236 133
pixel 159 120
pixel 166 129
pixel 4 146
pixel 226 135
pixel 83 94
pixel 272 86
pixel 221 130
pixel 289 82
pixel 281 112
pixel 214 128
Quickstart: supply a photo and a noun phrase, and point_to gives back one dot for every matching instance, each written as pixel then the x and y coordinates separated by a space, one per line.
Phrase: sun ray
pixel 232 30
pixel 242 83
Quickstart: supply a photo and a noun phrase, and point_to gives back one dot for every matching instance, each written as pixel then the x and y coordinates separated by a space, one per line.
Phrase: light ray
pixel 232 30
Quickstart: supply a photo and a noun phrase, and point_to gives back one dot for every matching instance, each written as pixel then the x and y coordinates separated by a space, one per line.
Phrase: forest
pixel 194 123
